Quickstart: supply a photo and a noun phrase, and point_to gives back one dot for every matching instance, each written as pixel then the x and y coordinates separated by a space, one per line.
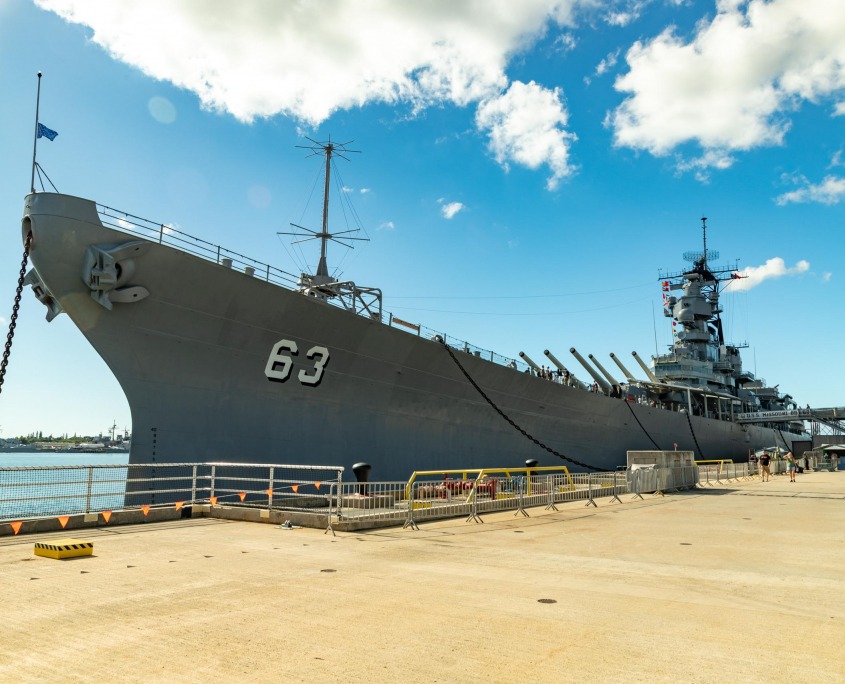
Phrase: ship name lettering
pixel 280 363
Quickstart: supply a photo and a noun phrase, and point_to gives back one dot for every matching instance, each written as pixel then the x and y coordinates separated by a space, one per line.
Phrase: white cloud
pixel 830 191
pixel 387 225
pixel 826 276
pixel 526 125
pixel 450 209
pixel 839 109
pixel 306 60
pixel 565 42
pixel 364 191
pixel 701 166
pixel 734 84
pixel 607 63
pixel 309 59
pixel 773 268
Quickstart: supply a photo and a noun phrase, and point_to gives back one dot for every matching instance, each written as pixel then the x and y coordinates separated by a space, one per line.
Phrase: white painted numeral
pixel 279 364
pixel 319 366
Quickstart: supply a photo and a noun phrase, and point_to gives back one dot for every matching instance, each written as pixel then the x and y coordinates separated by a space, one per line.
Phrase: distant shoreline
pixel 61 450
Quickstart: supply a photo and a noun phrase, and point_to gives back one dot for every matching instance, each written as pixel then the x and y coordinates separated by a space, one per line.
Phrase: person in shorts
pixel 765 462
pixel 790 466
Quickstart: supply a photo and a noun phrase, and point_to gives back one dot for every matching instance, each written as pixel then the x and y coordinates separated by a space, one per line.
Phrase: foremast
pixel 322 285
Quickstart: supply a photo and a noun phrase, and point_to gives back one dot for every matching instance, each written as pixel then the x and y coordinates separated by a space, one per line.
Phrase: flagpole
pixel 35 138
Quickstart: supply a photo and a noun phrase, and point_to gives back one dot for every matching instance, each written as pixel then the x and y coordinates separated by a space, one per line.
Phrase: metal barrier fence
pixel 48 491
pixel 422 500
pixel 38 492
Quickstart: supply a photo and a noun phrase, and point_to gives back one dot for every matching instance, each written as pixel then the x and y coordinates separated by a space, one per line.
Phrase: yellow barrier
pixel 481 473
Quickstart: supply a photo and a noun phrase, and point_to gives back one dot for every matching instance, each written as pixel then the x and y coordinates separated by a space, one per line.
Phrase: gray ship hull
pixel 193 358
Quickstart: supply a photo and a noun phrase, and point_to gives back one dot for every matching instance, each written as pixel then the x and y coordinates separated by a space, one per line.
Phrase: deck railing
pixel 167 234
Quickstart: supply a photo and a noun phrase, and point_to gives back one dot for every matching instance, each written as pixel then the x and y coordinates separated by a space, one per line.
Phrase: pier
pixel 739 582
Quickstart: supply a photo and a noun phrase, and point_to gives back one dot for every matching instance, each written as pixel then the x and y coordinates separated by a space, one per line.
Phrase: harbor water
pixel 36 493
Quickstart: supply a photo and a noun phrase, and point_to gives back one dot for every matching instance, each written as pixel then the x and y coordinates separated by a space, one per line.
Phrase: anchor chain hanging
pixel 13 321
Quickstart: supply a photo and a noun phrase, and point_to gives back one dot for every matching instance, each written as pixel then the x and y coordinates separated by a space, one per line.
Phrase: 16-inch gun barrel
pixel 646 369
pixel 600 381
pixel 630 377
pixel 528 360
pixel 610 378
pixel 572 379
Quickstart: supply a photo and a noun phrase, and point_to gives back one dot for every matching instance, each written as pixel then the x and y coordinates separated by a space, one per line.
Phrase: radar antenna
pixel 705 255
pixel 327 149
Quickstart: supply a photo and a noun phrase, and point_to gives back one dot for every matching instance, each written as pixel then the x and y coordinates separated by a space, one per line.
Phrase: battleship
pixel 224 358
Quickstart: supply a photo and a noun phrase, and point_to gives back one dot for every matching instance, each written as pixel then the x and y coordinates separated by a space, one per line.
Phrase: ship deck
pixel 740 583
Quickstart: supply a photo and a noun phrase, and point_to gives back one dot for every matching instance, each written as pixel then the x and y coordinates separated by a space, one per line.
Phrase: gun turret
pixel 599 380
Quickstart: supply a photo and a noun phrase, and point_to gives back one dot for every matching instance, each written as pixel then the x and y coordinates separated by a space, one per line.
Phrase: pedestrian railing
pixel 49 491
pixel 55 491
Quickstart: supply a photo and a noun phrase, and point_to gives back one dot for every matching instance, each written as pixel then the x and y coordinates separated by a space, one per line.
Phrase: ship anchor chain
pixel 13 320
pixel 507 418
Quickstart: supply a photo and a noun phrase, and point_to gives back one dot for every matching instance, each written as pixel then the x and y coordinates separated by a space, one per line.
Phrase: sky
pixel 525 169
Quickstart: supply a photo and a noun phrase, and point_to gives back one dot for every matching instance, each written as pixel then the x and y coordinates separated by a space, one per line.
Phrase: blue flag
pixel 44 132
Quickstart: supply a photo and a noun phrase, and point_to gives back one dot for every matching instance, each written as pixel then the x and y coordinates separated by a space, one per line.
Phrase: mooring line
pixel 513 424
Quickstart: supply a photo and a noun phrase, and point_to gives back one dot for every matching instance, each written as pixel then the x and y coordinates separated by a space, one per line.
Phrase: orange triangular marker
pixel 317 485
pixel 63 520
pixel 242 495
pixel 106 515
pixel 146 509
pixel 16 526
pixel 295 488
pixel 213 500
pixel 269 492
pixel 179 504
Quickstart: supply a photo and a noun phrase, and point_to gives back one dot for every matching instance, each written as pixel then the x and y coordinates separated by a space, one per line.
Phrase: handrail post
pixel 332 488
pixel 88 495
pixel 194 485
pixel 615 487
pixel 551 485
pixel 473 495
pixel 410 522
pixel 590 492
pixel 521 497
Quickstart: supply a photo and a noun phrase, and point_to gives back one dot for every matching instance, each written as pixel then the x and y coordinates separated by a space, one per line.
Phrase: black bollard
pixel 362 474
pixel 532 463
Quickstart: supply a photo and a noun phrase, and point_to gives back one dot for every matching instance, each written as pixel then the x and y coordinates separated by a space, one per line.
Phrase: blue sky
pixel 526 168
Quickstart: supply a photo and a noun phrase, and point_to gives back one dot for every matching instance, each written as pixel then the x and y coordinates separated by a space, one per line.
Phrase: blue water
pixel 60 490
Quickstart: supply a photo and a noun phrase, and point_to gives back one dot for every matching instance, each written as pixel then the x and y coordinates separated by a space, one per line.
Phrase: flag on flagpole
pixel 44 132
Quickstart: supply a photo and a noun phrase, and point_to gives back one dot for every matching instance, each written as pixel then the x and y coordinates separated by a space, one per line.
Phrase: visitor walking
pixel 790 465
pixel 764 466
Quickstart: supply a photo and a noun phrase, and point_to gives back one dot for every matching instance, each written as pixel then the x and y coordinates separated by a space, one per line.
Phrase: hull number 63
pixel 280 363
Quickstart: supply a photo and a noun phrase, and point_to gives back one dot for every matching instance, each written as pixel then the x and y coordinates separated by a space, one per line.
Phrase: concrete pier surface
pixel 744 583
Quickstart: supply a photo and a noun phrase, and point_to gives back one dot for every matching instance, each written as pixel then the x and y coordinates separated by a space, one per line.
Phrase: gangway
pixel 831 417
